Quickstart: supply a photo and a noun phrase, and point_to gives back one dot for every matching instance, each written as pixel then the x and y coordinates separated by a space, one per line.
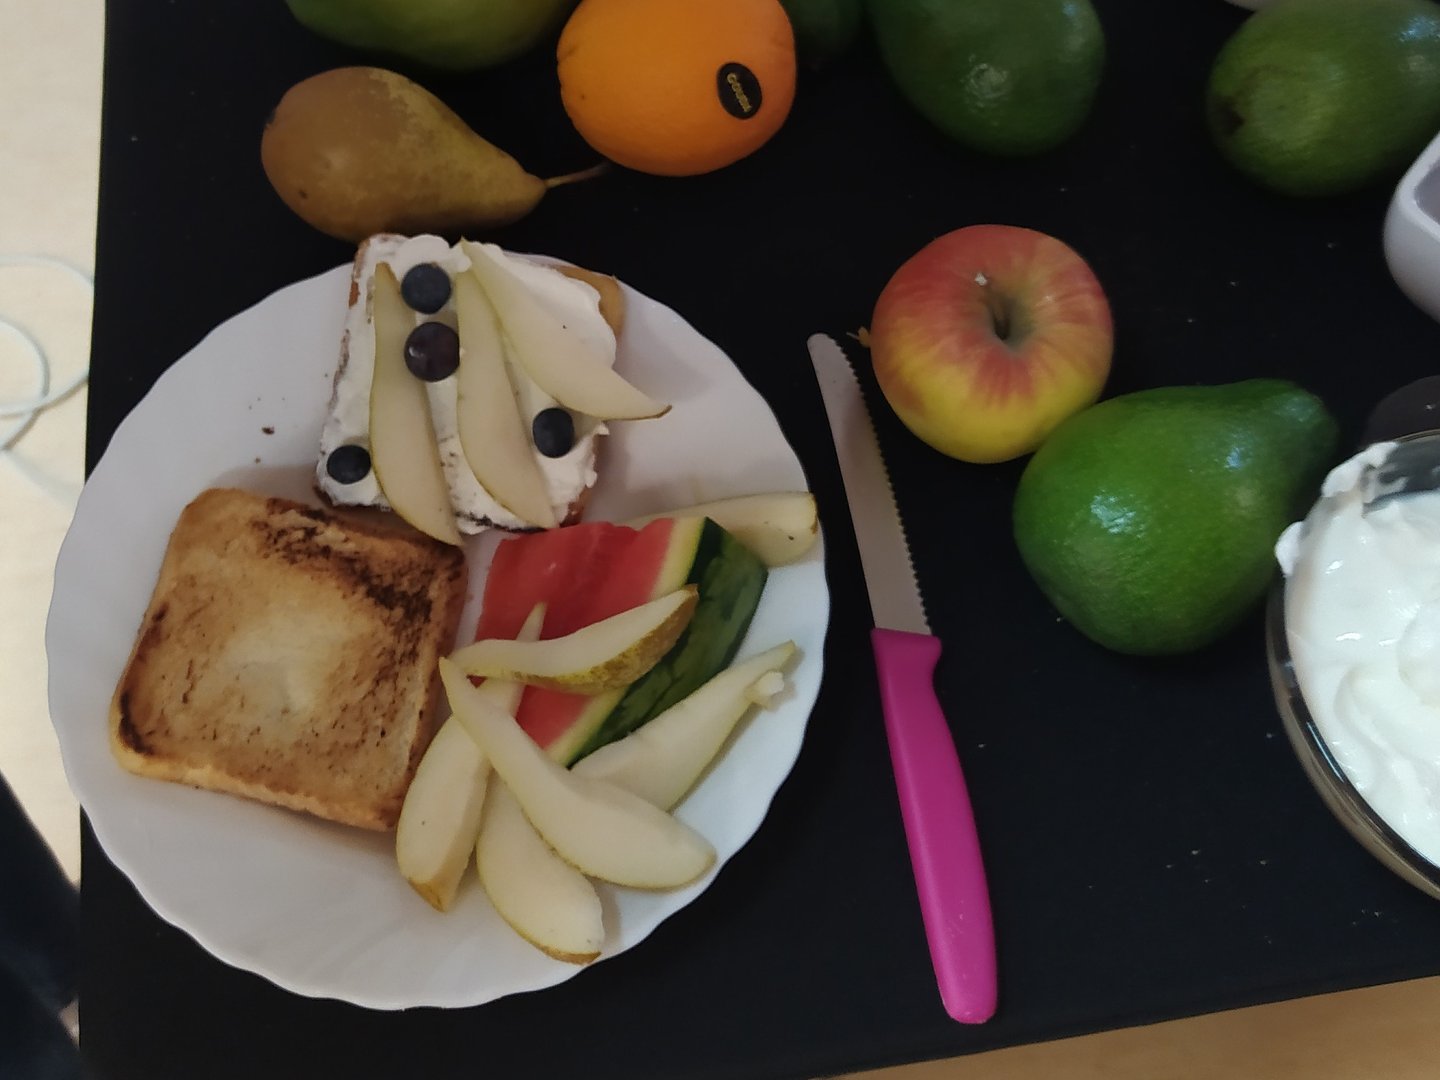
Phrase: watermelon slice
pixel 587 572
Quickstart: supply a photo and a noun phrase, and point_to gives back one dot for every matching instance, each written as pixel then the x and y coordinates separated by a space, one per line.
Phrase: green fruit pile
pixel 1149 520
pixel 1308 97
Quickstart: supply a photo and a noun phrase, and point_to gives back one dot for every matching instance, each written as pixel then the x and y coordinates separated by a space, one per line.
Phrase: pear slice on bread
pixel 403 452
pixel 492 432
pixel 561 362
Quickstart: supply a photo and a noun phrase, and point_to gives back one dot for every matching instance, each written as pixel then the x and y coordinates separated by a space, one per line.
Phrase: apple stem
pixel 576 177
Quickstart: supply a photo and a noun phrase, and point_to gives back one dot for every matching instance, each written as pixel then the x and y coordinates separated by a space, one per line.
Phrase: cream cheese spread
pixel 1362 615
pixel 348 422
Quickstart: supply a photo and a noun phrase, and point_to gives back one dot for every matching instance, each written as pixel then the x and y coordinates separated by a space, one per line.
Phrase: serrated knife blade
pixel 884 552
pixel 934 802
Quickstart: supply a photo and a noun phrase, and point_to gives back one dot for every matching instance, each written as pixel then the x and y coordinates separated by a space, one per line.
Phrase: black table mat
pixel 1153 848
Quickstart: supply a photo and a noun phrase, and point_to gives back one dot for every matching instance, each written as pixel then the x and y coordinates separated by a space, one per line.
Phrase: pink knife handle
pixel 939 825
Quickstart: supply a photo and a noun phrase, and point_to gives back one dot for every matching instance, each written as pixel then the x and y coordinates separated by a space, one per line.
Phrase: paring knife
pixel 934 803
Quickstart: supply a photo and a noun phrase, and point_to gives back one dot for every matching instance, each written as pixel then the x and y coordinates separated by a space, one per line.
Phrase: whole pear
pixel 360 150
pixel 1149 520
pixel 459 35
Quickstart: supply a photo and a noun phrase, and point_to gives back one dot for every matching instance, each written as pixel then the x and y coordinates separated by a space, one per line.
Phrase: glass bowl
pixel 1410 470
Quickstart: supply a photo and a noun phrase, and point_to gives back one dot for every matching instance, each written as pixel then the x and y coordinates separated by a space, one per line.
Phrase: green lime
pixel 1008 77
pixel 1320 97
pixel 1149 520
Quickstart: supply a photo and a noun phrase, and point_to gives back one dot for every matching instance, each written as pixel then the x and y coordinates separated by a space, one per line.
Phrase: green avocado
pixel 1150 520
pixel 1322 97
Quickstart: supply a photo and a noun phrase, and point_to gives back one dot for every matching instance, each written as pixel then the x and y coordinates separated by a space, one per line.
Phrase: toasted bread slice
pixel 289 654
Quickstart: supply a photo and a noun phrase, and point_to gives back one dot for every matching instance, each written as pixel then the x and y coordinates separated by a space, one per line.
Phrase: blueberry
pixel 432 351
pixel 553 431
pixel 425 288
pixel 348 464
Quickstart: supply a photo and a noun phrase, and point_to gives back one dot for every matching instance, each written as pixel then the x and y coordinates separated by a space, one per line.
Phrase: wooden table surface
pixel 1376 1033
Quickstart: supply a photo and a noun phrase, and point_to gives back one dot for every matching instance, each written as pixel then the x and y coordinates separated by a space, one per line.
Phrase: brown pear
pixel 360 150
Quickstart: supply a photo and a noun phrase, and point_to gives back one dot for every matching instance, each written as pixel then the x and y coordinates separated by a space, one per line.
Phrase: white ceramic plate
pixel 321 909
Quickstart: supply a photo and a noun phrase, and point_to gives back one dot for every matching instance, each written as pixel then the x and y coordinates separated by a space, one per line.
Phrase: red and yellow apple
pixel 988 337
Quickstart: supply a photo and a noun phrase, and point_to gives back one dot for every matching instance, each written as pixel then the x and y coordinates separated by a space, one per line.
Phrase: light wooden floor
pixel 49 125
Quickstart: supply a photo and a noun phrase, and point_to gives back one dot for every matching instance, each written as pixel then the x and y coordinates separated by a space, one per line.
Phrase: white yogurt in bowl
pixel 1361 624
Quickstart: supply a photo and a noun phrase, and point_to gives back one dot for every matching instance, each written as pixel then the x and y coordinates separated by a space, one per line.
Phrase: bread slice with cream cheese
pixel 592 304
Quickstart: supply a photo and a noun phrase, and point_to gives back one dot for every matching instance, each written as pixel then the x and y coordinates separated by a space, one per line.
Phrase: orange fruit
pixel 677 87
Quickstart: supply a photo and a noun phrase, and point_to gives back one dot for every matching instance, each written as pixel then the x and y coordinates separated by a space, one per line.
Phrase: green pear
pixel 359 150
pixel 460 35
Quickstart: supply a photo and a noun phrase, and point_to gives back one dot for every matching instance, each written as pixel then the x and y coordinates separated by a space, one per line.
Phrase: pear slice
pixel 764 690
pixel 605 655
pixel 778 527
pixel 561 362
pixel 403 450
pixel 492 433
pixel 598 828
pixel 661 761
pixel 544 899
pixel 440 817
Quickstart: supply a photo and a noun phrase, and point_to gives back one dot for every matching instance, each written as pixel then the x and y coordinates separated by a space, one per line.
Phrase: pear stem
pixel 576 177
